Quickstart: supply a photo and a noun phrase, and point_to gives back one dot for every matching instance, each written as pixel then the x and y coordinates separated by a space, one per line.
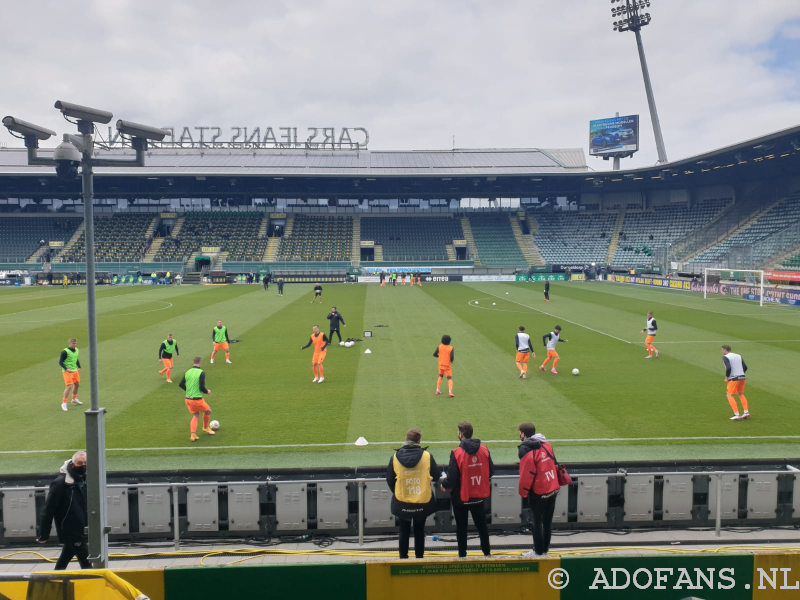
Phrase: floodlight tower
pixel 77 152
pixel 633 20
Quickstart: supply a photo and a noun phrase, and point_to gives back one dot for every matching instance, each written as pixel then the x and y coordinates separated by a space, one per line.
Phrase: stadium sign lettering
pixel 211 136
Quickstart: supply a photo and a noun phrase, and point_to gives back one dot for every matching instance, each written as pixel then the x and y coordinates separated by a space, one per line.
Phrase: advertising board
pixel 614 136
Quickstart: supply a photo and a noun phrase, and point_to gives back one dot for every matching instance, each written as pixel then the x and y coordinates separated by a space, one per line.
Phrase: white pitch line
pixel 732 342
pixel 555 317
pixel 142 312
pixel 446 442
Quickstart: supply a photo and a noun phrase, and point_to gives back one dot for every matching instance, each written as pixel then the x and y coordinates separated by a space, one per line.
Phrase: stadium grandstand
pixel 303 210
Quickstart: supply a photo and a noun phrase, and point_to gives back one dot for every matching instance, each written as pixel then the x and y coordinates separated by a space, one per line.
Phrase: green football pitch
pixel 620 407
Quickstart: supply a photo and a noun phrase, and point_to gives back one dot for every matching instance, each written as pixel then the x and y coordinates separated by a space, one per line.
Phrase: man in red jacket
pixel 538 482
pixel 468 481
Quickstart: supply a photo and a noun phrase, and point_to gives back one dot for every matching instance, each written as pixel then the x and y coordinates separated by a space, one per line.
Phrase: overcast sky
pixel 505 74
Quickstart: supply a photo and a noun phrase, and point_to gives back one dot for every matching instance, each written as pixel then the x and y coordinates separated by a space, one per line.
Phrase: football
pixel 476 302
pixel 214 425
pixel 494 303
pixel 349 344
pixel 341 343
pixel 575 371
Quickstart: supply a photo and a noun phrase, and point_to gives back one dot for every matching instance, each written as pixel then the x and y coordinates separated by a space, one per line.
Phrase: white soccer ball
pixel 476 302
pixel 575 372
pixel 341 343
pixel 214 425
pixel 349 344
pixel 494 303
pixel 506 293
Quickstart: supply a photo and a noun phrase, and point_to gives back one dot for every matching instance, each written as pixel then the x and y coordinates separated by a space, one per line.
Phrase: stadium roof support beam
pixel 633 20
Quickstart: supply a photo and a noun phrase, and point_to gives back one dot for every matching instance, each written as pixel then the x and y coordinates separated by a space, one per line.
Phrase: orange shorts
pixel 197 406
pixel 649 339
pixel 220 346
pixel 523 357
pixel 552 354
pixel 167 362
pixel 319 357
pixel 736 387
pixel 70 378
pixel 445 371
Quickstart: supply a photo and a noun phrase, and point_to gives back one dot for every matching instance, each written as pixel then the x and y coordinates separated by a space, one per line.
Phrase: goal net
pixel 746 284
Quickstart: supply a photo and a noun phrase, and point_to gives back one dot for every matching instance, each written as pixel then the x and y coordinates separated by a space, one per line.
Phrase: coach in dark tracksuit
pixel 547 291
pixel 66 504
pixel 335 318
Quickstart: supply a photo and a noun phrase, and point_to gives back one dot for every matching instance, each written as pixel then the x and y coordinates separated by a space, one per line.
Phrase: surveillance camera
pixel 26 129
pixel 84 113
pixel 137 130
pixel 67 158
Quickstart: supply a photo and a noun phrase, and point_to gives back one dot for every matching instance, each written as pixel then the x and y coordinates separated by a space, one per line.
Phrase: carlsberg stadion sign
pixel 212 136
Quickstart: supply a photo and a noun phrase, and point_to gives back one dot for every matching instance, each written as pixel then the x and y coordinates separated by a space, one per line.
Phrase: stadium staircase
pixel 525 243
pixel 471 247
pixel 355 249
pixel 725 224
pixel 221 258
pixel 151 229
pixel 271 252
pixel 740 229
pixel 37 256
pixel 289 227
pixel 78 235
pixel 612 247
pixel 451 252
pixel 153 249
pixel 495 241
pixel 262 229
pixel 176 228
pixel 378 253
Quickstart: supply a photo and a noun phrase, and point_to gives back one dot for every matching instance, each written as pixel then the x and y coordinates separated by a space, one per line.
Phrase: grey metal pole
pixel 651 102
pixel 95 416
pixel 718 524
pixel 361 485
pixel 176 521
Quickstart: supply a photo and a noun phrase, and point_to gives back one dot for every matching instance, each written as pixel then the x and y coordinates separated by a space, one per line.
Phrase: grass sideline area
pixel 673 407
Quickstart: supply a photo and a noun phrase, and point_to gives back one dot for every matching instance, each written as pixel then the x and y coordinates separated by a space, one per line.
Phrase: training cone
pixel 361 441
pixel 367 351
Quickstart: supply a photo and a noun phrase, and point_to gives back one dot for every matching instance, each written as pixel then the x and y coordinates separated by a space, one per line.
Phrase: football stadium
pixel 337 300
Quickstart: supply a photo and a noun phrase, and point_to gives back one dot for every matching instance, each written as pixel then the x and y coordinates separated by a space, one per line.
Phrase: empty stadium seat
pixel 120 237
pixel 574 237
pixel 412 238
pixel 495 241
pixel 318 239
pixel 20 236
pixel 233 232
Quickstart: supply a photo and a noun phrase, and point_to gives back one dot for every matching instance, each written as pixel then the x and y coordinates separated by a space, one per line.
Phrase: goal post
pixel 754 277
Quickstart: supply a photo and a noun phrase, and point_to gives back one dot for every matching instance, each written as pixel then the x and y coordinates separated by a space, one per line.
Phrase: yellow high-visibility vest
pixel 413 485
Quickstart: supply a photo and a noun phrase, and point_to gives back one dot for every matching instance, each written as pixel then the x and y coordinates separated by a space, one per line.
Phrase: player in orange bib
pixel 320 342
pixel 446 355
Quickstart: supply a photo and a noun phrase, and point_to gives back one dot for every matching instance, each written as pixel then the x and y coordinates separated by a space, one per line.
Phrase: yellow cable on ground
pixel 265 552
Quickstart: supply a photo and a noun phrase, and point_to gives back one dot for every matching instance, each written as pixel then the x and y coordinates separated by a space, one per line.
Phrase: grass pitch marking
pixel 446 442
pixel 619 339
pixel 100 316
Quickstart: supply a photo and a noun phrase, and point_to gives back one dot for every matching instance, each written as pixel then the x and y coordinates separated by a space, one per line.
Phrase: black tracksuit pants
pixel 76 549
pixel 419 536
pixel 542 509
pixel 336 331
pixel 461 511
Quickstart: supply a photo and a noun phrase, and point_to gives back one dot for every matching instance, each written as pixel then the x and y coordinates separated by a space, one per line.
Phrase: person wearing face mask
pixel 66 504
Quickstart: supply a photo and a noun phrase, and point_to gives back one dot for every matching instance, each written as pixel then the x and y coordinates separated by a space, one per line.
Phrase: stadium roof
pixel 304 163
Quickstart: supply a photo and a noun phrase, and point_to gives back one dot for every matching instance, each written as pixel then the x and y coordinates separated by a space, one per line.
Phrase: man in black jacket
pixel 468 481
pixel 409 475
pixel 335 318
pixel 66 503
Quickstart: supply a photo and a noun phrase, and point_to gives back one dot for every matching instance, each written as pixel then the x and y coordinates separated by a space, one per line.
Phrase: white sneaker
pixel 321 379
pixel 316 379
pixel 656 353
pixel 524 376
pixel 229 362
pixel 212 361
pixel 76 401
pixel 746 414
pixel 521 374
pixel 736 417
pixel 64 406
pixel 649 356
